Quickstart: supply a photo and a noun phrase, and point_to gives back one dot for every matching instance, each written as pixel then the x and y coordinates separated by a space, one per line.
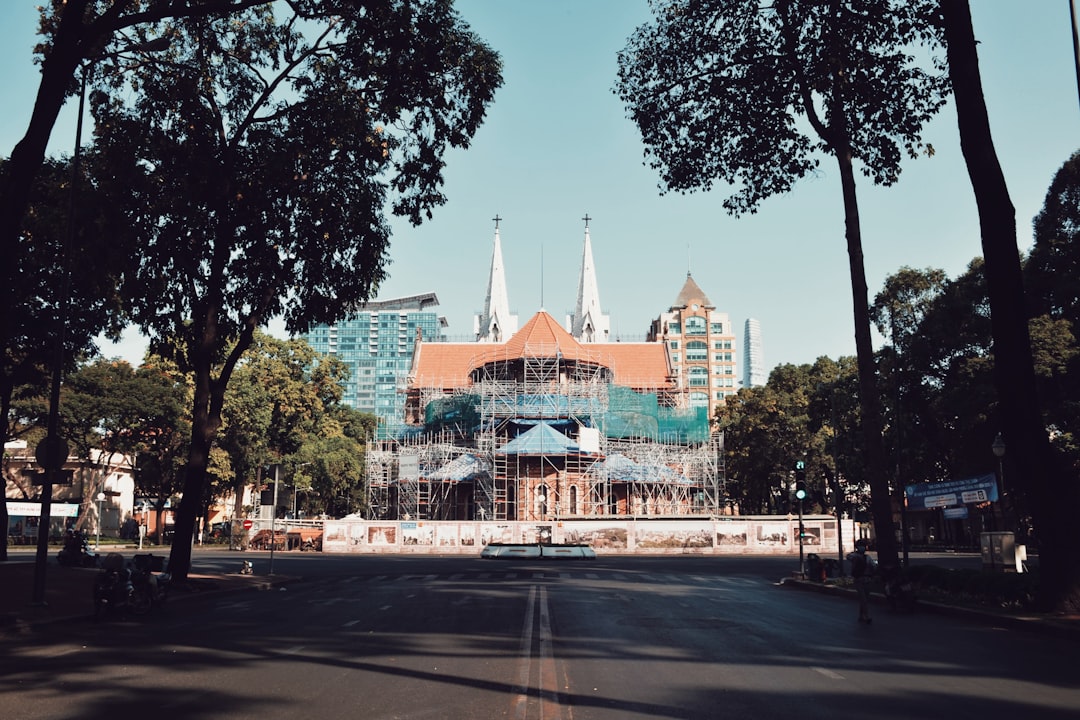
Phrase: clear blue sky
pixel 557 145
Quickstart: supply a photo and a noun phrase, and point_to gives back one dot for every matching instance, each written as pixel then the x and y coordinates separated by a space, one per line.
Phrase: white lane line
pixel 548 682
pixel 350 623
pixel 831 674
pixel 521 700
pixel 386 607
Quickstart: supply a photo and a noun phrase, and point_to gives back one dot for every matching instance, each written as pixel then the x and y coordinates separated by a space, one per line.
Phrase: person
pixel 862 569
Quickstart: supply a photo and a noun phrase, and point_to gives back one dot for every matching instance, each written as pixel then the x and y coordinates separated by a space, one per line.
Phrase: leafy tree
pixel 1051 491
pixel 76 32
pixel 279 395
pixel 1052 279
pixel 266 150
pixel 750 94
pixel 803 412
pixel 330 467
pixel 42 291
pixel 138 413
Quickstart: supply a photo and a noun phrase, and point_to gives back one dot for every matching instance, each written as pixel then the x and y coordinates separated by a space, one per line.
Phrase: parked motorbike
pixel 114 590
pixel 76 551
pixel 899 589
pixel 147 576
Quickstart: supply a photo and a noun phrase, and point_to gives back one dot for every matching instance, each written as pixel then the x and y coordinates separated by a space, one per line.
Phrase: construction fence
pixel 736 535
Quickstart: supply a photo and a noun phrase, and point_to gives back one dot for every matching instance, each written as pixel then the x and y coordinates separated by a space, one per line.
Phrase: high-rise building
pixel 377 345
pixel 753 359
pixel 701 344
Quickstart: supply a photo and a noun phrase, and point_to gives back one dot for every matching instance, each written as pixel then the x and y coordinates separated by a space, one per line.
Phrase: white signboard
pixel 935 501
pixel 33 509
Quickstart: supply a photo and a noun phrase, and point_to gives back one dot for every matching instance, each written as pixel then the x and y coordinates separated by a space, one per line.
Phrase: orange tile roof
pixel 448 365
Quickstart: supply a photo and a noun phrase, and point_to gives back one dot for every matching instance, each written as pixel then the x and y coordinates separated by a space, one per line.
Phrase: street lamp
pixel 998 447
pixel 100 499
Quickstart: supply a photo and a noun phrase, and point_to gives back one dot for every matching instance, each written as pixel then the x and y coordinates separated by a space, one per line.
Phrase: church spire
pixel 495 323
pixel 588 323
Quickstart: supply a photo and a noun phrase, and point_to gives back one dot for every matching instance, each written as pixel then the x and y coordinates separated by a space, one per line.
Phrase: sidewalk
pixel 1060 625
pixel 69 591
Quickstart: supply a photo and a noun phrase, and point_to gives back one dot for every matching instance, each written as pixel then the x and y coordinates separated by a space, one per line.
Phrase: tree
pixel 1052 281
pixel 1050 490
pixel 278 397
pixel 138 413
pixel 749 93
pixel 42 294
pixel 266 151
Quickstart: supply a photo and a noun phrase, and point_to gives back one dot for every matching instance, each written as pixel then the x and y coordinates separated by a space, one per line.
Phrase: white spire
pixel 588 323
pixel 495 323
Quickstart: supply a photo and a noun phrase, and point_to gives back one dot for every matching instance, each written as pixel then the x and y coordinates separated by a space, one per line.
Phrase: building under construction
pixel 542 427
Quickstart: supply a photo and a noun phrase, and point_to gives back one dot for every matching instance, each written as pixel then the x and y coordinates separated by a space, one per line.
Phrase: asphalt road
pixel 614 638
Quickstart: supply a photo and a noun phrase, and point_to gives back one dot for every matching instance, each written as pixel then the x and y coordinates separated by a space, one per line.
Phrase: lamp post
pixel 998 447
pixel 100 499
pixel 273 517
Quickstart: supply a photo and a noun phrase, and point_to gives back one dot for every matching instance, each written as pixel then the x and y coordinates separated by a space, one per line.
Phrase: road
pixel 614 638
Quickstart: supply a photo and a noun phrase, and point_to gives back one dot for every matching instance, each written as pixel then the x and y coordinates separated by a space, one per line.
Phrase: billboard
pixel 949 493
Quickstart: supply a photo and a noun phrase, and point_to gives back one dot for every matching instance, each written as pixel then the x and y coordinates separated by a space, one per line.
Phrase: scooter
pixel 76 551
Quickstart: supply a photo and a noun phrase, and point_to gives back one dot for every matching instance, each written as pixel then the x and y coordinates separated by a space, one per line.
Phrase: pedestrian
pixel 862 569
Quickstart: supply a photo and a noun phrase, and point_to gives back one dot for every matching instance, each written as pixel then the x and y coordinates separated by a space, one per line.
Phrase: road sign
pixel 248 524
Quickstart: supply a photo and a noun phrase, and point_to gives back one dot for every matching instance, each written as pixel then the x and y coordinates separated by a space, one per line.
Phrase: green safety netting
pixel 629 414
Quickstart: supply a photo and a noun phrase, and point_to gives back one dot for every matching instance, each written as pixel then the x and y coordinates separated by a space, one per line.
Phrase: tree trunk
pixel 1049 491
pixel 869 401
pixel 203 430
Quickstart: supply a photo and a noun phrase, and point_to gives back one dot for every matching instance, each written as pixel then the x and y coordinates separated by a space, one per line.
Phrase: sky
pixel 557 145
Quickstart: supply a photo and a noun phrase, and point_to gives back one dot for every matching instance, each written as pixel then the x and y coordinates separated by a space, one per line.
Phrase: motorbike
pixel 115 591
pixel 76 551
pixel 899 589
pixel 148 577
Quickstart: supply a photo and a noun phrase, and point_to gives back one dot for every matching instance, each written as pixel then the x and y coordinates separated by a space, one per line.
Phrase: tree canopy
pixel 753 94
pixel 255 159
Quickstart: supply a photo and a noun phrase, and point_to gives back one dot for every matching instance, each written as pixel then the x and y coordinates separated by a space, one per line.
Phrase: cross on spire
pixel 496 219
pixel 586 219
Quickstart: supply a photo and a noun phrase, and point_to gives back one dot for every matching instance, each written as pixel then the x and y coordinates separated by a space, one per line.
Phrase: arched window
pixel 573 500
pixel 695 326
pixel 699 399
pixel 541 501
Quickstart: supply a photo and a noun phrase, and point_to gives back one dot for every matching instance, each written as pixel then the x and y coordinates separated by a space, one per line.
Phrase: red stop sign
pixel 248 524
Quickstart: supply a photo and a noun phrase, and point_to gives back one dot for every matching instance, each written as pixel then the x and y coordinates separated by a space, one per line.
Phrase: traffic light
pixel 800 480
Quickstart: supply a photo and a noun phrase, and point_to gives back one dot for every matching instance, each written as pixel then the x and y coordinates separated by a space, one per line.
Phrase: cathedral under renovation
pixel 551 421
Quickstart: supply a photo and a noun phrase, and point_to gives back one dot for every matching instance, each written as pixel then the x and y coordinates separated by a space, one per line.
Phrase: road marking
pixel 831 674
pixel 350 623
pixel 386 607
pixel 525 658
pixel 547 682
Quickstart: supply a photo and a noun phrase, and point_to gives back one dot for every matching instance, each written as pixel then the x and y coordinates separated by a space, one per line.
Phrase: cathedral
pixel 548 420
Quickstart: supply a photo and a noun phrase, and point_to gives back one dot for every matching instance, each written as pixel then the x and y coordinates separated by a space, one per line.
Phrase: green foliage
pixel 750 94
pixel 805 412
pixel 255 159
pixel 979 587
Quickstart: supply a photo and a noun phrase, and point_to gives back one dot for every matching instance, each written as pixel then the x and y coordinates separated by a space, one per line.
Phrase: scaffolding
pixel 539 436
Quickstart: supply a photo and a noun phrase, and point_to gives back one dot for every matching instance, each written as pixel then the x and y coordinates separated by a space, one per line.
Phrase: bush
pixel 982 587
